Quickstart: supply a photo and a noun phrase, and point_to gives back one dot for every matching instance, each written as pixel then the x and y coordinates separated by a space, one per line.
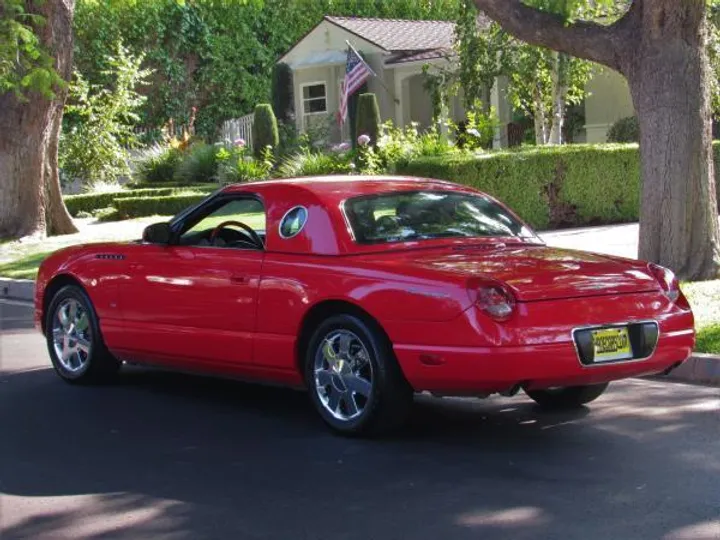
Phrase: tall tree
pixel 659 45
pixel 31 105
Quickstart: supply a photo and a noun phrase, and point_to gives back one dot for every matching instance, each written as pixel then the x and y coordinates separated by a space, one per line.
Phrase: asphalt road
pixel 173 456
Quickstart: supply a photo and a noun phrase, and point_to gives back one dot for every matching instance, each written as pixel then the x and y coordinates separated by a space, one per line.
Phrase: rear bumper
pixel 468 370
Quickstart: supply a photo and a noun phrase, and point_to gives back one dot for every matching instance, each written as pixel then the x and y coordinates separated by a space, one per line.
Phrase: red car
pixel 364 291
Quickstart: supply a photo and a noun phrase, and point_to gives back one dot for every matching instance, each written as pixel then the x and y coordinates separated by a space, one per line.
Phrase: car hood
pixel 536 272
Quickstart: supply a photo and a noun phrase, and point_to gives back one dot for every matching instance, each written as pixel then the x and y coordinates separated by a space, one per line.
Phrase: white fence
pixel 238 128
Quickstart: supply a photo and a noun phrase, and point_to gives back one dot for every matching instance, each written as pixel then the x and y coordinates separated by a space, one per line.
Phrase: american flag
pixel 356 73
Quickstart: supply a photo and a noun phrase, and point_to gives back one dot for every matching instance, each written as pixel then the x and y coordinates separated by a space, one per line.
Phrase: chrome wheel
pixel 71 337
pixel 343 375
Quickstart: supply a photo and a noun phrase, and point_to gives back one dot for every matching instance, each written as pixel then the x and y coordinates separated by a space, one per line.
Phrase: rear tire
pixel 353 378
pixel 570 397
pixel 76 347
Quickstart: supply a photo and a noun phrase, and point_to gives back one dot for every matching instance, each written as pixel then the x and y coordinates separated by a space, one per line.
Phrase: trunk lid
pixel 536 272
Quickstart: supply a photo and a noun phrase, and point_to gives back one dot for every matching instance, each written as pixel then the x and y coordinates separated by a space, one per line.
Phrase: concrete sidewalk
pixel 619 240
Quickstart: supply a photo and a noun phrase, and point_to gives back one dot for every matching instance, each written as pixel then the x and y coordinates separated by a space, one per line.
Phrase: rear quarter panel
pixel 293 284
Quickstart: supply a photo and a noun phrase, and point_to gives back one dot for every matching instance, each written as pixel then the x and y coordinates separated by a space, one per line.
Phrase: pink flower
pixel 363 140
pixel 240 143
pixel 340 148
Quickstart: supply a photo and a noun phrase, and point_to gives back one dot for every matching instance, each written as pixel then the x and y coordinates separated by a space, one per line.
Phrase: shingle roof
pixel 417 56
pixel 400 35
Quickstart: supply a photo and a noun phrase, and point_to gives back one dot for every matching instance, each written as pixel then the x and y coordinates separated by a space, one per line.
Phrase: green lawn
pixel 25 267
pixel 704 297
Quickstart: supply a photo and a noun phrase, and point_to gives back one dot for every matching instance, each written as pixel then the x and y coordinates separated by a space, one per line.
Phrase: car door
pixel 194 302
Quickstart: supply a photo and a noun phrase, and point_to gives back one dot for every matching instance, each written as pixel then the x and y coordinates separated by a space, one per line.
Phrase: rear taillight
pixel 493 298
pixel 669 284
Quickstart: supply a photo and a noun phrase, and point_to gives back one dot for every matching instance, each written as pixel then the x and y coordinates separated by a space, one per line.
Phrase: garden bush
pixel 239 166
pixel 625 130
pixel 158 165
pixel 310 163
pixel 199 165
pixel 265 130
pixel 368 117
pixel 134 207
pixel 552 186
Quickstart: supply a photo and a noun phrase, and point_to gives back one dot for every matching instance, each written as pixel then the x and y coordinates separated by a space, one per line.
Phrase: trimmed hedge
pixel 89 202
pixel 550 187
pixel 134 207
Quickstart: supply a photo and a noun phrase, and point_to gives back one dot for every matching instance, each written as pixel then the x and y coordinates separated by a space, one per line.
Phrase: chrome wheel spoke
pixel 350 406
pixel 323 377
pixel 334 400
pixel 344 342
pixel 63 317
pixel 358 385
pixel 83 345
pixel 72 313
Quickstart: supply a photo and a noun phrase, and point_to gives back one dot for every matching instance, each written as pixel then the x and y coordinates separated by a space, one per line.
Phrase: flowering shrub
pixel 396 145
pixel 363 140
pixel 237 164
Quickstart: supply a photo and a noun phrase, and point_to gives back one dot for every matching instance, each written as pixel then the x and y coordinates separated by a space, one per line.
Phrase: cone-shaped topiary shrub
pixel 265 129
pixel 282 93
pixel 368 118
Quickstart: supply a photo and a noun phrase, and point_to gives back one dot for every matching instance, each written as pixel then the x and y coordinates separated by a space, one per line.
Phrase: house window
pixel 314 98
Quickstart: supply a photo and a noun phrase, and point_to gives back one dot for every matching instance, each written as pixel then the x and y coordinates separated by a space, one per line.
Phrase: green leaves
pixel 25 66
pixel 99 120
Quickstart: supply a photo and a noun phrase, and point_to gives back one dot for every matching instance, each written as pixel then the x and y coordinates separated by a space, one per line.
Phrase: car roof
pixel 335 189
pixel 327 231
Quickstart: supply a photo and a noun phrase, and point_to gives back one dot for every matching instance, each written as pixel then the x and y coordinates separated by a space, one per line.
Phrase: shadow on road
pixel 190 457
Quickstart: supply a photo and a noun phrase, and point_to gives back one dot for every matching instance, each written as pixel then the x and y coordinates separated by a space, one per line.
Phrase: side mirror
pixel 157 233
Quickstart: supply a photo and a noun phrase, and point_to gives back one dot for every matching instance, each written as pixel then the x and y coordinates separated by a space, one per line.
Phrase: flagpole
pixel 380 79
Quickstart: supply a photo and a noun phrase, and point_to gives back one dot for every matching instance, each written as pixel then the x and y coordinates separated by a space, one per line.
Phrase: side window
pixel 293 222
pixel 247 211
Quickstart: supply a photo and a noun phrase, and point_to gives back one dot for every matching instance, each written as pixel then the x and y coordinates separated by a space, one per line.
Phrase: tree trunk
pixel 540 121
pixel 30 199
pixel 670 89
pixel 560 90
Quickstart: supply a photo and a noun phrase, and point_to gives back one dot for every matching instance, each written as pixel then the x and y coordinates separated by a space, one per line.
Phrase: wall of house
pixel 608 102
pixel 312 75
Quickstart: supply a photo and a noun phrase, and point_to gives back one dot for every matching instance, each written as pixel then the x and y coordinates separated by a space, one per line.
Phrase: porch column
pixel 498 100
pixel 399 120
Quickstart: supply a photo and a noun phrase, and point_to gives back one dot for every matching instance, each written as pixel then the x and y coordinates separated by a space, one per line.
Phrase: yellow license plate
pixel 611 344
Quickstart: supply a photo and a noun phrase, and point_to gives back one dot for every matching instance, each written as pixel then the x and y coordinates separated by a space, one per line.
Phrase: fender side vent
pixel 110 256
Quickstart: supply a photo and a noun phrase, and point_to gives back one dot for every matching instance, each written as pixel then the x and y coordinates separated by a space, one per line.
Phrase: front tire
pixel 76 347
pixel 353 378
pixel 569 397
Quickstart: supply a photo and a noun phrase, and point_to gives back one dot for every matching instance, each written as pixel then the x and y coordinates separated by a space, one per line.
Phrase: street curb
pixel 698 369
pixel 17 289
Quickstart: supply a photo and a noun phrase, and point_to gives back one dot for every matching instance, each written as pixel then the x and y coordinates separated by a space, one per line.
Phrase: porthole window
pixel 293 222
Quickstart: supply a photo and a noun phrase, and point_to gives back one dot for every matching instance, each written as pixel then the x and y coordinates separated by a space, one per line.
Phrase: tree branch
pixel 586 40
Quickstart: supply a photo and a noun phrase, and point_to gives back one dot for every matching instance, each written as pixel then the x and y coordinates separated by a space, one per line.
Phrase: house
pixel 397 50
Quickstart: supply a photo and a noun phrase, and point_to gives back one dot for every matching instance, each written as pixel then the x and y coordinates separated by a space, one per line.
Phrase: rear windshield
pixel 424 215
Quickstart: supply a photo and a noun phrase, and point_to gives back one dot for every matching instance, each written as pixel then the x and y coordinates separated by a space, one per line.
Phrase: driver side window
pixel 210 231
